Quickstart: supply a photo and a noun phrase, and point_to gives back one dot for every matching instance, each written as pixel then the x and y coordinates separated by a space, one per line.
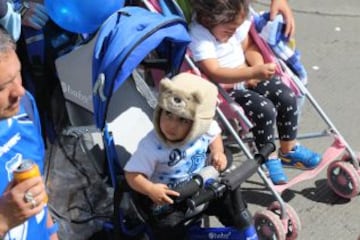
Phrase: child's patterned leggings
pixel 269 101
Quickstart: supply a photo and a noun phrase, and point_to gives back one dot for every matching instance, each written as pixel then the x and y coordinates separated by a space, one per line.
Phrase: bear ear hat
pixel 202 92
pixel 197 97
pixel 165 84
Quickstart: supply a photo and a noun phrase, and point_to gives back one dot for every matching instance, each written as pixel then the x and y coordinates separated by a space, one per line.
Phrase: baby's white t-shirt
pixel 171 166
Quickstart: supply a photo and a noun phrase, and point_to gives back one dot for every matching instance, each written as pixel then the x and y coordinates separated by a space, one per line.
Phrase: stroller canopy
pixel 124 40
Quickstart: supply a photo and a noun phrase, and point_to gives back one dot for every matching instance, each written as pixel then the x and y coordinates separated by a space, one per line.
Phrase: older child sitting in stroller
pixel 224 50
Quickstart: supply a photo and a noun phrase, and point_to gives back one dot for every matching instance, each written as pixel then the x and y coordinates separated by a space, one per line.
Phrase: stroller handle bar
pixel 208 185
pixel 203 178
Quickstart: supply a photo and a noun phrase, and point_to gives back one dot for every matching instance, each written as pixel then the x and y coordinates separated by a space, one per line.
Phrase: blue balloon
pixel 81 16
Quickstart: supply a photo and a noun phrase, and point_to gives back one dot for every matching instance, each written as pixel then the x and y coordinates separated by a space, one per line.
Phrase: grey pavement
pixel 327 34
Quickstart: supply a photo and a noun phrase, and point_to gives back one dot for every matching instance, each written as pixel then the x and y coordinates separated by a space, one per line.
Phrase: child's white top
pixel 171 166
pixel 205 46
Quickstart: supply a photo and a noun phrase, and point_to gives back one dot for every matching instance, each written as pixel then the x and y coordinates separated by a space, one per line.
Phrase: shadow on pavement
pixel 321 193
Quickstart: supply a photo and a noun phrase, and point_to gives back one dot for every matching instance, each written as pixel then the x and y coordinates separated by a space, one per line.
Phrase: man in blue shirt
pixel 23 211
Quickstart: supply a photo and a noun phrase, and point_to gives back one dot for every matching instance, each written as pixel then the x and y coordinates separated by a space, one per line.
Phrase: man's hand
pixel 34 16
pixel 282 7
pixel 14 209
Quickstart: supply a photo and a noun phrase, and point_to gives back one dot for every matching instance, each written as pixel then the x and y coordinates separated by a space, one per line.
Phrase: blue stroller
pixel 116 60
pixel 118 84
pixel 118 101
pixel 117 55
pixel 123 102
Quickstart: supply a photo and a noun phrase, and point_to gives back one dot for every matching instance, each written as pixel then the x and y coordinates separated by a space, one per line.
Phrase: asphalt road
pixel 327 35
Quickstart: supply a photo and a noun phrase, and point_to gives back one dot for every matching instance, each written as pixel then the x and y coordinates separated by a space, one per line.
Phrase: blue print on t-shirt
pixel 175 156
pixel 197 161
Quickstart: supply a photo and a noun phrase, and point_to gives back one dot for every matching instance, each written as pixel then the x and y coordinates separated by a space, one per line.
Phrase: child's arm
pixel 159 193
pixel 253 57
pixel 252 52
pixel 219 74
pixel 218 158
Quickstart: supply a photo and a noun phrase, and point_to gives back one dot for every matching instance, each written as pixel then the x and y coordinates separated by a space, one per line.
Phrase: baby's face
pixel 173 127
pixel 223 31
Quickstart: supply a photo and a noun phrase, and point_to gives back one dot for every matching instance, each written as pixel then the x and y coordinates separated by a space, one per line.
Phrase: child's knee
pixel 264 113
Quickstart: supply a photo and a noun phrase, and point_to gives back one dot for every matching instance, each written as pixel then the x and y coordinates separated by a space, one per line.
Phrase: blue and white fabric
pixel 20 138
pixel 171 166
pixel 273 33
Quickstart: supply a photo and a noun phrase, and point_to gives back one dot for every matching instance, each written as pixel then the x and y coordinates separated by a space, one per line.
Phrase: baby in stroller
pixel 177 148
pixel 225 52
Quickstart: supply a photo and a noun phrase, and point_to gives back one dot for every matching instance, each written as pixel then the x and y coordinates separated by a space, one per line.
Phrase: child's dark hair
pixel 210 13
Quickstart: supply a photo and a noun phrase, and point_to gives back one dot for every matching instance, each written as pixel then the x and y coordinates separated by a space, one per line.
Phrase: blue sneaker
pixel 300 157
pixel 276 171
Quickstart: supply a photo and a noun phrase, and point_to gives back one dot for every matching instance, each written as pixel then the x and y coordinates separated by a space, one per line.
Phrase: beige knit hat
pixel 188 96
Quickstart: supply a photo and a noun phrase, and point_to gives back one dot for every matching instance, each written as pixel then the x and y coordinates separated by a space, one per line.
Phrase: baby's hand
pixel 264 71
pixel 160 194
pixel 218 160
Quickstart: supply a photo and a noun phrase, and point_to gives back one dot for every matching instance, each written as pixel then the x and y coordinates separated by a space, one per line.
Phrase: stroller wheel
pixel 343 179
pixel 269 226
pixel 293 225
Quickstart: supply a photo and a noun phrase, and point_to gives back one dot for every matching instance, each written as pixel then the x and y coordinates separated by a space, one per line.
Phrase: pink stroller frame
pixel 339 144
pixel 343 173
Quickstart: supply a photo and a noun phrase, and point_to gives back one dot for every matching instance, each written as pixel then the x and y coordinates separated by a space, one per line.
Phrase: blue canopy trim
pixel 124 40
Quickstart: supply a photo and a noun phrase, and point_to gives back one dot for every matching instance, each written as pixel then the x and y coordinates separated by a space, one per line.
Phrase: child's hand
pixel 264 71
pixel 218 160
pixel 252 83
pixel 160 193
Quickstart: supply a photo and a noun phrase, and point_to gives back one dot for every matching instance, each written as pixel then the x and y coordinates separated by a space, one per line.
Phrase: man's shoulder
pixel 27 101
